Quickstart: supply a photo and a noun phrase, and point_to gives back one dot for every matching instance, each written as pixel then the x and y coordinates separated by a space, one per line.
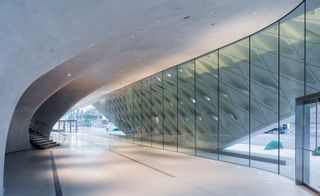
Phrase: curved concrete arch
pixel 32 99
pixel 141 39
pixel 59 103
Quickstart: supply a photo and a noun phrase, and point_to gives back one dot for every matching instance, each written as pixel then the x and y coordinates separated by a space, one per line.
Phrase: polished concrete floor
pixel 94 164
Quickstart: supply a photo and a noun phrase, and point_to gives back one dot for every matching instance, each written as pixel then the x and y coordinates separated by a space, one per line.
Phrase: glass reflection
pixel 170 109
pixel 264 99
pixel 312 46
pixel 234 103
pixel 186 108
pixel 207 106
pixel 157 110
pixel 137 112
pixel 146 112
pixel 291 83
pixel 129 113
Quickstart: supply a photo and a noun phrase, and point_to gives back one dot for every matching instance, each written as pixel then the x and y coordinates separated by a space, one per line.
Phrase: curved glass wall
pixel 170 109
pixel 292 79
pixel 264 96
pixel 235 104
pixel 186 108
pixel 157 110
pixel 146 112
pixel 206 87
pixel 137 108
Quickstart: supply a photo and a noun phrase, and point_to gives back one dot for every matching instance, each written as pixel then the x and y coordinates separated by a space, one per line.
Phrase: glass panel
pixel 157 110
pixel 314 169
pixel 170 109
pixel 317 130
pixel 312 143
pixel 186 108
pixel 313 46
pixel 118 113
pixel 146 112
pixel 291 84
pixel 137 111
pixel 129 114
pixel 114 109
pixel 264 99
pixel 234 103
pixel 315 155
pixel 311 149
pixel 207 106
pixel 121 107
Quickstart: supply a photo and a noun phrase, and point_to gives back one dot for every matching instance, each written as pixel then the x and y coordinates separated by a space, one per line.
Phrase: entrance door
pixel 308 141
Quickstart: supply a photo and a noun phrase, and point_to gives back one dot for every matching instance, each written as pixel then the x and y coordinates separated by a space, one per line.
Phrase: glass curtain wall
pixel 157 110
pixel 122 109
pixel 207 106
pixel 137 112
pixel 170 110
pixel 264 94
pixel 129 113
pixel 235 104
pixel 291 83
pixel 312 46
pixel 146 112
pixel 186 108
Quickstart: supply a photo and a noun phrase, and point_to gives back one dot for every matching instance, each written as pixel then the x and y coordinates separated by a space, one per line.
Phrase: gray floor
pixel 94 164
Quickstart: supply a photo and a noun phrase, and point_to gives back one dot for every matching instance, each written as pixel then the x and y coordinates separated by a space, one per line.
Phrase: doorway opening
pixel 308 141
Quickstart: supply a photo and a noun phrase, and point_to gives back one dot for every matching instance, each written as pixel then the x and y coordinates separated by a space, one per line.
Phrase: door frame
pixel 302 138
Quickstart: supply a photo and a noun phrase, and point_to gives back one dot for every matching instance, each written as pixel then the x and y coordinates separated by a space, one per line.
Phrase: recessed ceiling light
pixel 69 74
